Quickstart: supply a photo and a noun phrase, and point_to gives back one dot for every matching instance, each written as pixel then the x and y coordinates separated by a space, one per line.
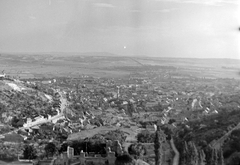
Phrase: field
pixel 130 132
pixel 108 65
pixel 14 163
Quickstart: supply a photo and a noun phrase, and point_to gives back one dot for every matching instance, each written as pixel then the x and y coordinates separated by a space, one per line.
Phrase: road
pixel 218 143
pixel 177 155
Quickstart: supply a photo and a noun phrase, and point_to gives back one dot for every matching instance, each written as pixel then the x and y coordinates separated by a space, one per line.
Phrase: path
pixel 218 143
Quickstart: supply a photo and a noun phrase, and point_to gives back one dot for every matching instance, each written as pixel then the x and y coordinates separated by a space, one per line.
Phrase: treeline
pixel 195 136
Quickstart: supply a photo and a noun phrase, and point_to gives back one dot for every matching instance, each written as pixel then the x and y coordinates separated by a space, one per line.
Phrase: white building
pixel 3 75
pixel 38 120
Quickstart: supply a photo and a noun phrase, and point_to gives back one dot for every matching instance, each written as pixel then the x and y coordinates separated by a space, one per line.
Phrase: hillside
pixel 22 102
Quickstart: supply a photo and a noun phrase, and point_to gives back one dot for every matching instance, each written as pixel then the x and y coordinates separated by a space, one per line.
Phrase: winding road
pixel 177 155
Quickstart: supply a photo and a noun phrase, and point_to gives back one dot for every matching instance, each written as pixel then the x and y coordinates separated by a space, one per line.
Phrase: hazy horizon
pixel 158 28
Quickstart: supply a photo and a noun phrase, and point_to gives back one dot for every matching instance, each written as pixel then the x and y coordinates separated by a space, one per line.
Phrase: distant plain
pixel 108 65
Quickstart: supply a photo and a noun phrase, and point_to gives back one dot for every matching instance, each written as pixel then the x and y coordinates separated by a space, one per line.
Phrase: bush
pixel 50 149
pixel 137 149
pixel 29 152
pixel 145 137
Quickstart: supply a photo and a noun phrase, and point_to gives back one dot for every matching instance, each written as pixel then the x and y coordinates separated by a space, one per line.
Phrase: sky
pixel 161 28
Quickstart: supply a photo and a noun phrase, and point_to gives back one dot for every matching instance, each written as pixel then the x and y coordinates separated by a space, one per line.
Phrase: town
pixel 60 119
pixel 119 82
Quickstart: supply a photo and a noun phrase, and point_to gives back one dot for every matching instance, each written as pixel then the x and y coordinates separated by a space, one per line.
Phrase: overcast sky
pixel 164 28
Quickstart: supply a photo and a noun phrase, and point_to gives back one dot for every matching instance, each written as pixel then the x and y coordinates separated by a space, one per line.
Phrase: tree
pixel 118 148
pixel 2 108
pixel 145 137
pixel 50 149
pixel 221 158
pixel 63 147
pixel 214 156
pixel 194 158
pixel 15 121
pixel 124 160
pixel 160 138
pixel 234 159
pixel 202 158
pixel 137 150
pixel 115 135
pixel 193 155
pixel 29 152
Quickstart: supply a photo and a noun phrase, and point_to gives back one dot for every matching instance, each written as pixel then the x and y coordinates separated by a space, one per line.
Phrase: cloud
pixel 106 5
pixel 168 0
pixel 235 2
pixel 155 11
pixel 164 10
pixel 213 2
pixel 205 2
pixel 31 17
pixel 135 11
